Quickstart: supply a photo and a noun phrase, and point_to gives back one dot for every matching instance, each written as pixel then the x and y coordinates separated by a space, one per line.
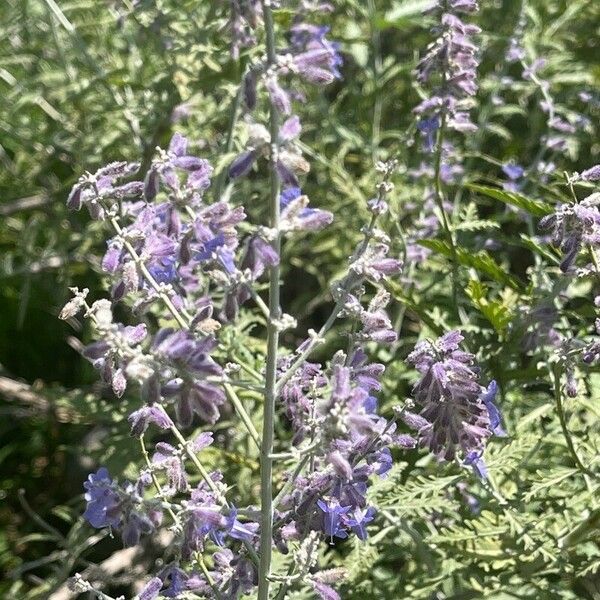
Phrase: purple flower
pixel 242 164
pixel 474 460
pixel 513 171
pixel 279 97
pixel 203 399
pixel 592 174
pixel 382 461
pixel 358 519
pixel 488 397
pixel 93 190
pixel 295 214
pixel 573 226
pixel 324 591
pixel 141 418
pixel 103 503
pixel 177 580
pixel 428 127
pixel 151 590
pixel 237 530
pixel 169 459
pixel 316 58
pixel 375 264
pixel 233 573
pixel 260 255
pixel 290 129
pixel 332 517
pixel 163 270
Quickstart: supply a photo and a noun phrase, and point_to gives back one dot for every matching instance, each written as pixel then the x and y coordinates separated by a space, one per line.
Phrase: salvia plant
pixel 433 432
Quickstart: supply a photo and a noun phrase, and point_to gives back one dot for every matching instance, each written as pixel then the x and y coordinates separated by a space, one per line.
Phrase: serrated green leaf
pixel 548 480
pixel 537 208
pixel 480 261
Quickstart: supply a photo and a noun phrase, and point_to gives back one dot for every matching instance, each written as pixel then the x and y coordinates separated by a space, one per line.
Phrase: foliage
pixel 87 83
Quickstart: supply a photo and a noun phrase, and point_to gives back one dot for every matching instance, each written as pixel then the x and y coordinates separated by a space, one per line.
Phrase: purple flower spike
pixel 451 58
pixel 451 398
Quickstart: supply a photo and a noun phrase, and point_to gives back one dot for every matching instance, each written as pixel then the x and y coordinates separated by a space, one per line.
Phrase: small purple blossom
pixel 475 461
pixel 332 518
pixel 488 398
pixel 358 520
pixel 103 502
pixel 141 419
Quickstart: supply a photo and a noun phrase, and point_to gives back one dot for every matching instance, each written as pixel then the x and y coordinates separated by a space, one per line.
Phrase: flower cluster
pixel 195 345
pixel 449 67
pixel 336 415
pixel 574 226
pixel 121 507
pixel 314 59
pixel 457 414
pixel 172 246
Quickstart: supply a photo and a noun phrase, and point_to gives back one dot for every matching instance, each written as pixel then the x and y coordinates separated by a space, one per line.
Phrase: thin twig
pixel 156 483
pixel 239 408
pixel 563 423
pixel 233 118
pixel 57 535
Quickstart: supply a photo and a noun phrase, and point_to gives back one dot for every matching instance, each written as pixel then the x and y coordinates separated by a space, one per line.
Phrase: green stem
pixel 563 423
pixel 266 461
pixel 233 118
pixel 156 483
pixel 349 284
pixel 439 200
pixel 377 107
pixel 241 411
